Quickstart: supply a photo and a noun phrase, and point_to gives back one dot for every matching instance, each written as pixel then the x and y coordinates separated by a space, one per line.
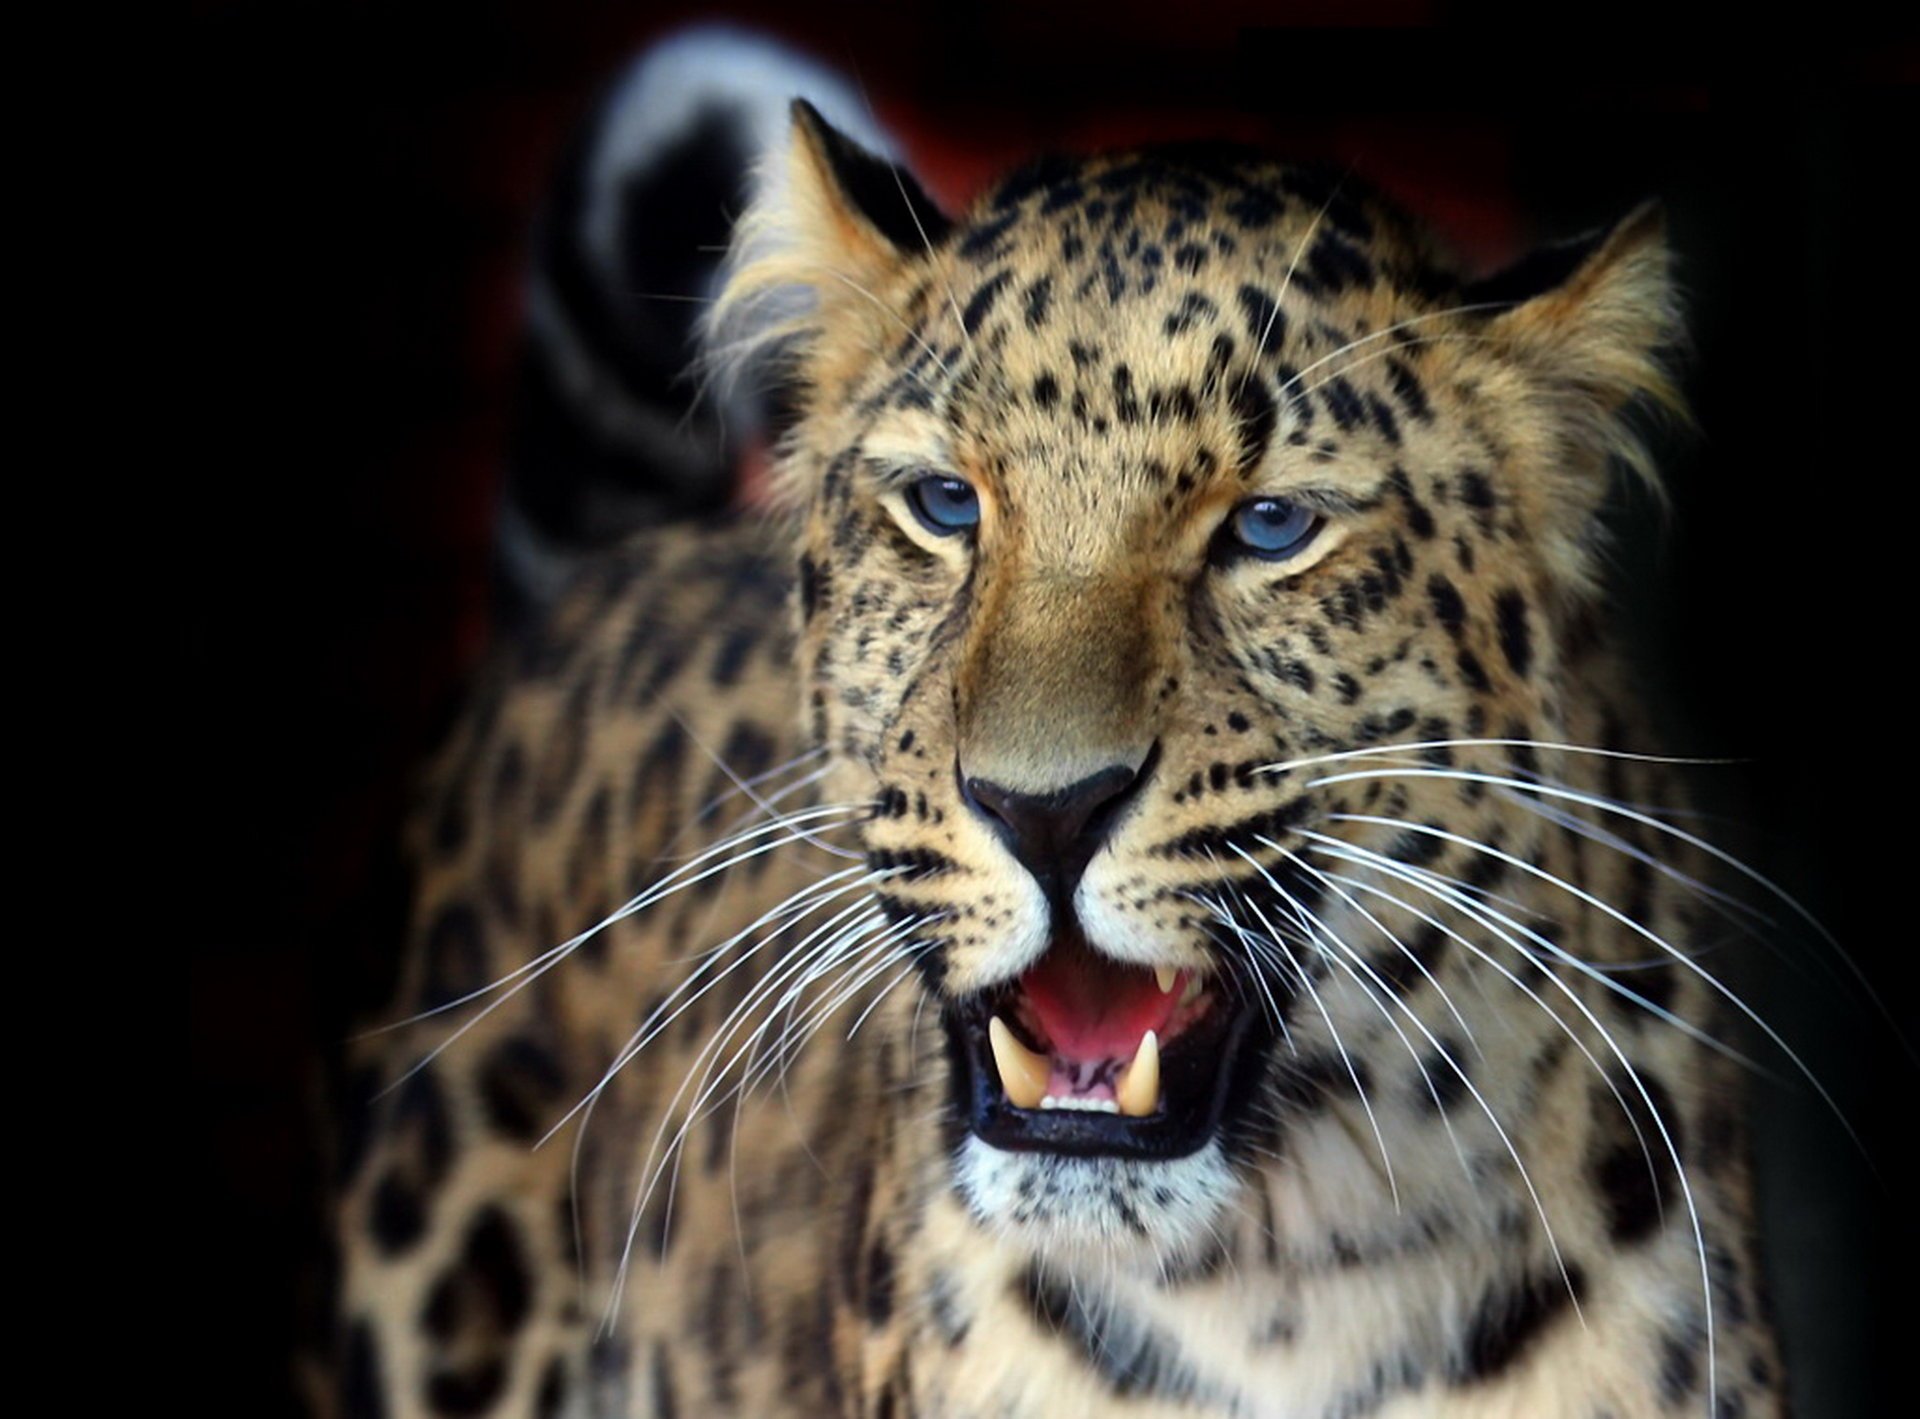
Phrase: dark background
pixel 361 179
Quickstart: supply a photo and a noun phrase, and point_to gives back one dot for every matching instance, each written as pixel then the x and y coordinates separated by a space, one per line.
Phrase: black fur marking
pixel 1632 1172
pixel 1039 298
pixel 552 1395
pixel 1516 637
pixel 488 1293
pixel 1130 1357
pixel 1680 1367
pixel 1407 389
pixel 1218 842
pixel 1511 1320
pixel 878 1290
pixel 888 196
pixel 980 304
pixel 518 1084
pixel 469 1390
pixel 1448 1081
pixel 1256 413
pixel 421 1149
pixel 1266 322
pixel 943 1305
pixel 1447 605
pixel 1305 1084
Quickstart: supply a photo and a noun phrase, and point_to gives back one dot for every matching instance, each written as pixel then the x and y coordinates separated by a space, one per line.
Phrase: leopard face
pixel 1141 503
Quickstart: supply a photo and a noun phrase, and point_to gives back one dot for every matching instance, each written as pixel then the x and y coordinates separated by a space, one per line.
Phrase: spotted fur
pixel 1488 1161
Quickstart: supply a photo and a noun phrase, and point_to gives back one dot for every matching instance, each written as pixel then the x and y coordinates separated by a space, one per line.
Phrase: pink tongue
pixel 1093 1009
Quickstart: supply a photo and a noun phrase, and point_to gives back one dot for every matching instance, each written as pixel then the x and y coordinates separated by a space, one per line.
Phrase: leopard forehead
pixel 1146 324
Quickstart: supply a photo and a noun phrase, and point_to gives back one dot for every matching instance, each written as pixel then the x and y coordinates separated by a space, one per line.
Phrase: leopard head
pixel 1127 497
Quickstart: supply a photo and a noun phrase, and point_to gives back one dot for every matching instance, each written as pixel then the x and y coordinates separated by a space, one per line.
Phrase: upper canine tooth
pixel 1164 977
pixel 1138 1089
pixel 1023 1074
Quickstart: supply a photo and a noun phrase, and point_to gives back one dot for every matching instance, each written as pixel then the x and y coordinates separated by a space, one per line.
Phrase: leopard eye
pixel 944 505
pixel 1272 529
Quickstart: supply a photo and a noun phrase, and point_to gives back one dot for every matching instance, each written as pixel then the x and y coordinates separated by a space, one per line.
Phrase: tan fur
pixel 832 1242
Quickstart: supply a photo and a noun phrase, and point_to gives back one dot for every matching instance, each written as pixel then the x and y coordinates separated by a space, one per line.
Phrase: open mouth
pixel 1084 1055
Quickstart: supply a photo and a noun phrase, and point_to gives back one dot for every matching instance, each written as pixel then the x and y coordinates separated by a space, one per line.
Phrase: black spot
pixel 811 585
pixel 420 1146
pixel 1334 264
pixel 1255 412
pixel 1448 1081
pixel 980 303
pixel 552 1394
pixel 518 1083
pixel 1447 605
pixel 398 1213
pixel 1477 493
pixel 1383 419
pixel 731 657
pixel 1039 298
pixel 1126 405
pixel 1415 848
pixel 1680 1362
pixel 488 1292
pixel 1406 388
pixel 1627 1155
pixel 1471 670
pixel 1516 638
pixel 878 1290
pixel 1509 1319
pixel 1130 1357
pixel 1218 842
pixel 471 1389
pixel 983 242
pixel 1419 519
pixel 1266 322
pixel 943 1305
pixel 1344 403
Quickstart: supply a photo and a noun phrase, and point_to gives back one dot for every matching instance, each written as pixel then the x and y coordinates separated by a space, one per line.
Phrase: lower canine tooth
pixel 1023 1074
pixel 1138 1088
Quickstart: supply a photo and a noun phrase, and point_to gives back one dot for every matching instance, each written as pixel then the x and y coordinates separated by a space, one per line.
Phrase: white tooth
pixel 1138 1089
pixel 1023 1074
pixel 1165 976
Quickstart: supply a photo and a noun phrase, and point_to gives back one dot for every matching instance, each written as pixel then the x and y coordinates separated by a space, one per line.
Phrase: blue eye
pixel 1272 529
pixel 944 505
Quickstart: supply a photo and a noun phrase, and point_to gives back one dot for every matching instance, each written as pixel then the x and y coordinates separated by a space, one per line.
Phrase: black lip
pixel 1206 1074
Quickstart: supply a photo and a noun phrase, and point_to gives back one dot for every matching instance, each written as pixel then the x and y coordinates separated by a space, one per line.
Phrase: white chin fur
pixel 1123 1210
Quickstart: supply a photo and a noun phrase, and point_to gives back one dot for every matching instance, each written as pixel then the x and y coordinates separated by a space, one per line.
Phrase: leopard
pixel 1140 881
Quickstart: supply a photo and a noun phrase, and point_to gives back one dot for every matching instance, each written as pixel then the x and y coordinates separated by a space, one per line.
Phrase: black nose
pixel 1055 835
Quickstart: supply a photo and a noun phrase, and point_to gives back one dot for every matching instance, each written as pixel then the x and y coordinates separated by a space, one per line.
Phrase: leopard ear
pixel 1596 312
pixel 869 209
pixel 830 223
pixel 1589 327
